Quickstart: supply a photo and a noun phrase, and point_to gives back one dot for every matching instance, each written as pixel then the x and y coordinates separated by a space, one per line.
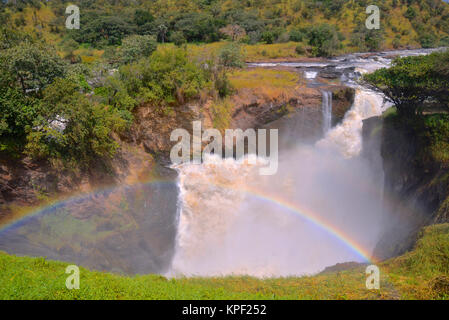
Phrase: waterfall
pixel 233 221
pixel 347 136
pixel 326 109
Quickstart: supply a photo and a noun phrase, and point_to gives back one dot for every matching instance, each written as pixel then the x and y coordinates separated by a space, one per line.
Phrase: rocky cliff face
pixel 25 183
pixel 416 190
pixel 146 147
pixel 249 109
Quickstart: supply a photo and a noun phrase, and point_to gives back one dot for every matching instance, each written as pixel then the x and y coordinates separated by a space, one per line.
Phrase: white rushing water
pixel 326 109
pixel 310 74
pixel 347 136
pixel 233 221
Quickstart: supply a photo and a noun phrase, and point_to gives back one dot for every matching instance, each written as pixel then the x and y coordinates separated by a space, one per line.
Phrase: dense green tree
pixel 198 27
pixel 297 35
pixel 324 40
pixel 415 84
pixel 142 17
pixel 135 47
pixel 427 40
pixel 231 56
pixel 70 126
pixel 102 30
pixel 32 66
pixel 165 80
pixel 177 37
pixel 170 78
pixel 365 39
pixel 268 37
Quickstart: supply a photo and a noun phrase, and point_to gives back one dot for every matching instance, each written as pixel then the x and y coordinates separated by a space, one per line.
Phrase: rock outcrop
pixel 416 191
pixel 145 148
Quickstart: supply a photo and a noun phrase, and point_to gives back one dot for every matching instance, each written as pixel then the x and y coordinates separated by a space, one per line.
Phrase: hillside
pixel 411 23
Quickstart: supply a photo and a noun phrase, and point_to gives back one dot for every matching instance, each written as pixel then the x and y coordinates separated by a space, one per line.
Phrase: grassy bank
pixel 260 77
pixel 420 274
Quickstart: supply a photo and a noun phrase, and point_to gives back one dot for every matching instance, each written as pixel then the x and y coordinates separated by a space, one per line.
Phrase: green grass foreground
pixel 420 274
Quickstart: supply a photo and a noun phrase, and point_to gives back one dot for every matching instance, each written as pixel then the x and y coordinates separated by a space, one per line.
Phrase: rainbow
pixel 291 207
pixel 61 202
pixel 309 216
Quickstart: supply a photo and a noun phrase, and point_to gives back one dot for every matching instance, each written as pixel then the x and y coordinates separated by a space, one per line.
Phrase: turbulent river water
pixel 322 207
pixel 221 217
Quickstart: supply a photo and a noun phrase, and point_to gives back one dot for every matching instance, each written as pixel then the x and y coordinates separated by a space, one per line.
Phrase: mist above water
pixel 232 221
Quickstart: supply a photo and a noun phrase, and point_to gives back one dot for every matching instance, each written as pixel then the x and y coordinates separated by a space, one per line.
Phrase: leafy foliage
pixel 68 125
pixel 136 47
pixel 45 116
pixel 231 56
pixel 415 84
pixel 32 66
pixel 166 79
pixel 102 30
pixel 324 39
pixel 103 23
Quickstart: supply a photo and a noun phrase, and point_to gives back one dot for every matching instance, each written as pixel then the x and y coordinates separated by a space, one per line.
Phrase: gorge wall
pixel 145 148
pixel 416 188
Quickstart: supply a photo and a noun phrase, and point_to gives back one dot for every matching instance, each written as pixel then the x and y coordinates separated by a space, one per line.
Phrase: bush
pixel 300 49
pixel 254 37
pixel 444 42
pixel 297 35
pixel 410 13
pixel 231 56
pixel 371 40
pixel 165 79
pixel 283 38
pixel 428 40
pixel 268 37
pixel 136 47
pixel 324 39
pixel 436 135
pixel 178 38
pixel 69 126
pixel 396 43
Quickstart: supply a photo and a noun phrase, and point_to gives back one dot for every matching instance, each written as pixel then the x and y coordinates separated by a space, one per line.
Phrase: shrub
pixel 437 137
pixel 268 37
pixel 136 47
pixel 178 38
pixel 300 49
pixel 70 126
pixel 221 113
pixel 166 79
pixel 428 40
pixel 297 35
pixel 324 39
pixel 231 56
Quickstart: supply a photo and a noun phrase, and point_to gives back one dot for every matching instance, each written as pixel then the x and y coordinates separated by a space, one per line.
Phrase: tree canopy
pixel 415 84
